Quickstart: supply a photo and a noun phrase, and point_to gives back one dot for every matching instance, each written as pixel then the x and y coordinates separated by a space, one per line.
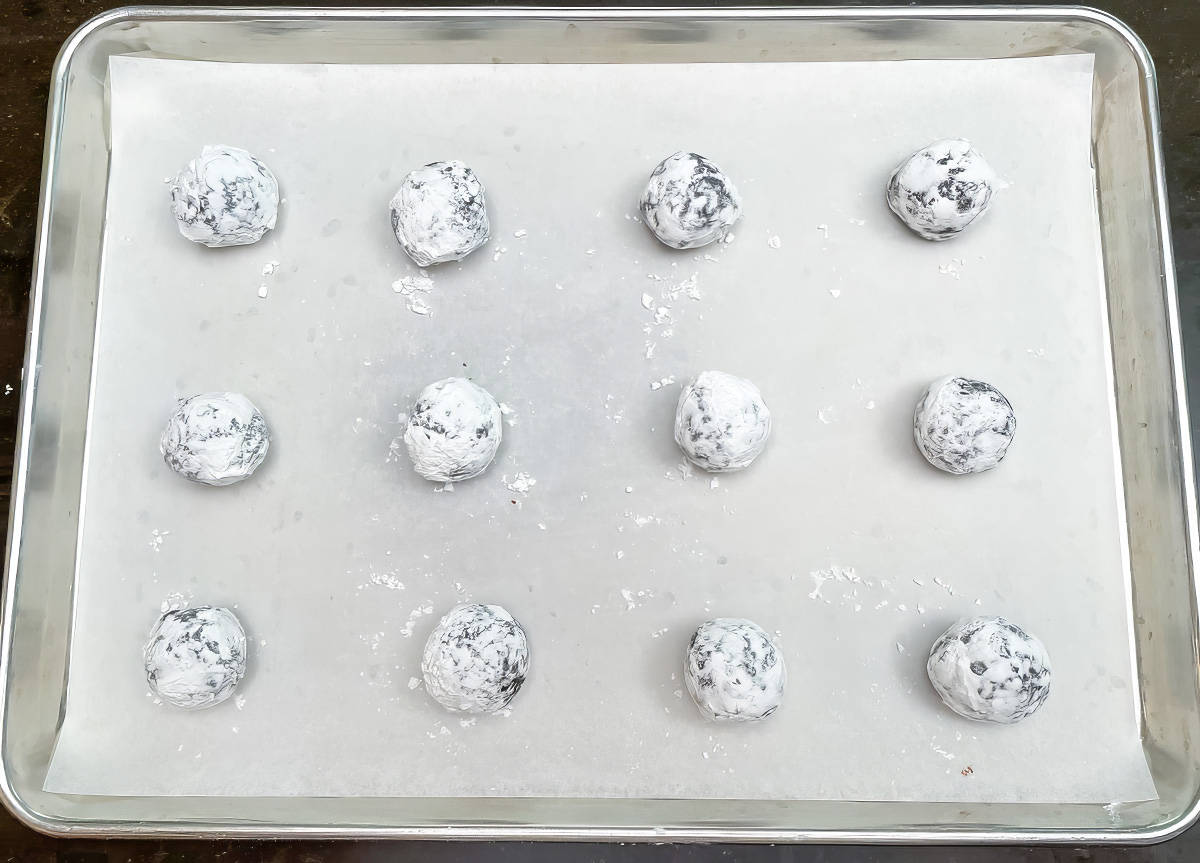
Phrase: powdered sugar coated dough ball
pixel 226 197
pixel 989 669
pixel 195 657
pixel 476 659
pixel 215 438
pixel 453 431
pixel 733 671
pixel 689 202
pixel 963 426
pixel 721 423
pixel 941 189
pixel 439 214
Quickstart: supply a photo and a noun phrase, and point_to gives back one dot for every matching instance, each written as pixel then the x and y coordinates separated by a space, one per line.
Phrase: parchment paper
pixel 339 559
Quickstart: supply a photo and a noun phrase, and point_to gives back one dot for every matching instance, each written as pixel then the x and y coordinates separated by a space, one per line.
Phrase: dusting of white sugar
pixel 415 289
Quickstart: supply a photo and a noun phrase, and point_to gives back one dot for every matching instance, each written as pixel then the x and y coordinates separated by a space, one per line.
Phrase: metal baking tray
pixel 1148 375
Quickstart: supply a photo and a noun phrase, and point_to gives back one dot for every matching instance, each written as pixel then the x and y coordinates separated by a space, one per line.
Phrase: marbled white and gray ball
pixel 733 671
pixel 941 189
pixel 476 659
pixel 195 656
pixel 226 197
pixel 453 431
pixel 963 426
pixel 721 423
pixel 689 202
pixel 440 214
pixel 989 669
pixel 215 438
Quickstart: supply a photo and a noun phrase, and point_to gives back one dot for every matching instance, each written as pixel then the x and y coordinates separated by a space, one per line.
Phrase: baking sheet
pixel 339 558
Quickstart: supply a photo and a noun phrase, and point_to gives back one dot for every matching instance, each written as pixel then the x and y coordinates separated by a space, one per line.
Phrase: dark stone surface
pixel 31 32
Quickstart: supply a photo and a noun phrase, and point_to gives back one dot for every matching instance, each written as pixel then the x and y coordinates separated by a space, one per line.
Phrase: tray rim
pixel 61 827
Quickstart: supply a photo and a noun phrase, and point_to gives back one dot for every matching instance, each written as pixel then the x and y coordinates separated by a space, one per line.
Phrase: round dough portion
pixel 226 197
pixel 721 423
pixel 195 657
pixel 453 431
pixel 476 659
pixel 215 438
pixel 689 203
pixel 963 426
pixel 941 189
pixel 439 213
pixel 733 671
pixel 989 669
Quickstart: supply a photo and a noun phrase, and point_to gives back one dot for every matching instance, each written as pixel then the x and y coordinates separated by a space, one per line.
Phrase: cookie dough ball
pixel 453 431
pixel 942 188
pixel 963 426
pixel 722 422
pixel 215 438
pixel 989 669
pixel 195 656
pixel 226 197
pixel 733 671
pixel 439 214
pixel 689 203
pixel 476 659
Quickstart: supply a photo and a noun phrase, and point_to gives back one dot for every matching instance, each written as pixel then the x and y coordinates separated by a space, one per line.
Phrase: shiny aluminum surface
pixel 1148 374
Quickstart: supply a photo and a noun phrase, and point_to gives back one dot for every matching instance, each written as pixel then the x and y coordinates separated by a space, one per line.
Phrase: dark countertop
pixel 31 32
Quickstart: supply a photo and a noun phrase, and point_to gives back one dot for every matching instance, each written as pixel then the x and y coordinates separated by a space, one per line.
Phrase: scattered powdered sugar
pixel 414 290
pixel 263 291
pixel 635 599
pixel 386 579
pixel 824 229
pixel 173 602
pixel 157 537
pixel 239 701
pixel 827 414
pixel 413 616
pixel 520 484
pixel 859 222
pixel 843 574
pixel 414 683
pixel 951 267
pixel 520 233
pixel 662 382
pixel 510 416
pixel 933 744
pixel 835 293
pixel 774 242
pixel 270 267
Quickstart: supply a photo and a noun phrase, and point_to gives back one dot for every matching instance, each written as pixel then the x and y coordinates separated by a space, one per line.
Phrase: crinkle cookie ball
pixel 439 214
pixel 989 669
pixel 689 202
pixel 453 431
pixel 963 426
pixel 215 438
pixel 942 188
pixel 476 659
pixel 195 656
pixel 226 197
pixel 722 422
pixel 733 671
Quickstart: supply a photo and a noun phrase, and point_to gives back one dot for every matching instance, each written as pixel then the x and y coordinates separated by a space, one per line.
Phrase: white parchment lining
pixel 841 538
